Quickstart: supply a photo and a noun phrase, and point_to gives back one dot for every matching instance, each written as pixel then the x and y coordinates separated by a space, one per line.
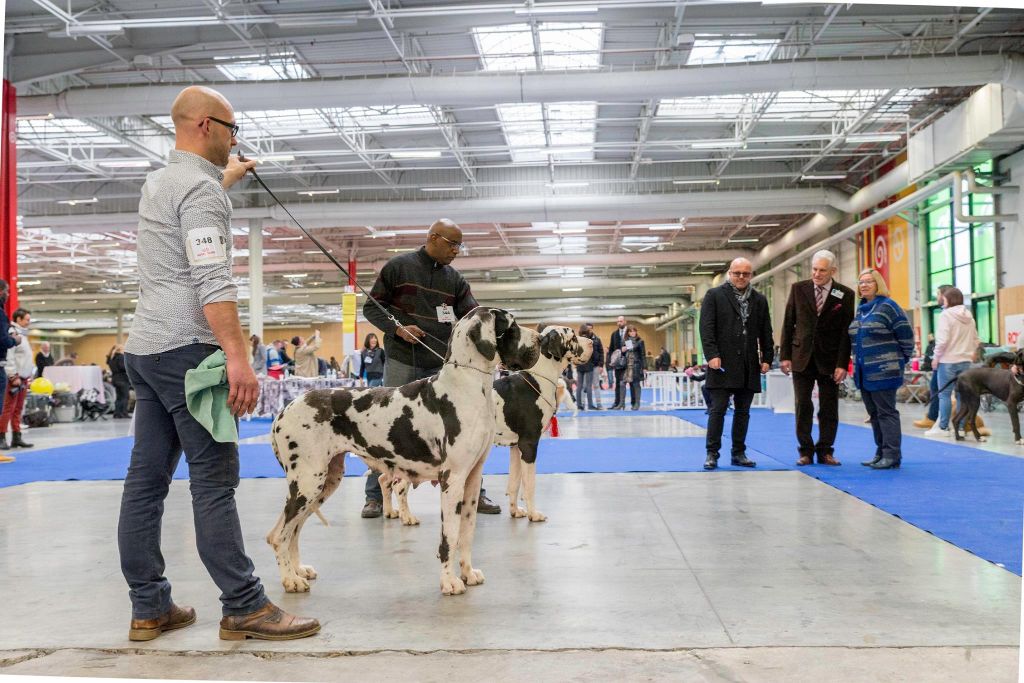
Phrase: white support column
pixel 256 277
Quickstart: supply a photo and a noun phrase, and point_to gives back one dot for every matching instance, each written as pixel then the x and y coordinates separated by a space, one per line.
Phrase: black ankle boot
pixel 742 460
pixel 871 463
pixel 18 442
pixel 712 462
pixel 886 464
pixel 3 443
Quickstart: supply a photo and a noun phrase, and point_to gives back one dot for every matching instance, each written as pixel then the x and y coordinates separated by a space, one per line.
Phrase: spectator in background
pixel 372 361
pixel 44 358
pixel 19 367
pixel 68 360
pixel 275 368
pixel 258 355
pixel 933 385
pixel 618 342
pixel 119 378
pixel 7 340
pixel 664 360
pixel 335 366
pixel 636 355
pixel 305 355
pixel 956 342
pixel 883 341
pixel 586 371
pixel 282 350
pixel 929 354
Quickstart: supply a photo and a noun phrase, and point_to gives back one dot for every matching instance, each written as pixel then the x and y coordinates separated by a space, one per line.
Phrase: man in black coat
pixel 816 348
pixel 736 333
pixel 618 342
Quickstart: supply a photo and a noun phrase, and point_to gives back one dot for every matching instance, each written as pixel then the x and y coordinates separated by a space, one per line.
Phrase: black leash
pixel 340 267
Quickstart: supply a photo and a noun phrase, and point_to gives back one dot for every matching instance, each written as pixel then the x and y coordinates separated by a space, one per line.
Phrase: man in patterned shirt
pixel 187 308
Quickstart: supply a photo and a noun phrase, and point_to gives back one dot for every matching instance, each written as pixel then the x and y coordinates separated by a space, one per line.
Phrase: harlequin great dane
pixel 523 406
pixel 430 429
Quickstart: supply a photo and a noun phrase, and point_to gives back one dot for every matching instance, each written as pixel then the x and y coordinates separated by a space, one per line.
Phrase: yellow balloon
pixel 41 385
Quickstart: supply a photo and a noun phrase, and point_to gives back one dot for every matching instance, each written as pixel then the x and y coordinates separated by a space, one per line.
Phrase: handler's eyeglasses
pixel 454 245
pixel 232 126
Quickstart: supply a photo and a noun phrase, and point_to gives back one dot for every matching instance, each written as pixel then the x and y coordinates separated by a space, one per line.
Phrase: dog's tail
pixel 941 389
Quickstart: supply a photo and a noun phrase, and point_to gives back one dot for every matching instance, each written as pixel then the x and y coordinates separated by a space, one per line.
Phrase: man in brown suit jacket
pixel 816 348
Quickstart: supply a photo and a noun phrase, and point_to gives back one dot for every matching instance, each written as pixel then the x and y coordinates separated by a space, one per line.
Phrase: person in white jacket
pixel 956 343
pixel 20 366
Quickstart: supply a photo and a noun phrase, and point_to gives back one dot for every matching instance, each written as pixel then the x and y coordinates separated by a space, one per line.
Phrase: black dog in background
pixel 1003 384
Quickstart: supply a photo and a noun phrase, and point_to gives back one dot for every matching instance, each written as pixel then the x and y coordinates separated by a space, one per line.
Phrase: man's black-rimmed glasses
pixel 232 126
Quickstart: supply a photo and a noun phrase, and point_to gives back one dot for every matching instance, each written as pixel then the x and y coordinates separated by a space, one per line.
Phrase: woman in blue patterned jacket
pixel 883 341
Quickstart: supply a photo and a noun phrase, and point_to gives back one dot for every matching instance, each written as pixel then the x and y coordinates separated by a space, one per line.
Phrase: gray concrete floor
pixel 728 576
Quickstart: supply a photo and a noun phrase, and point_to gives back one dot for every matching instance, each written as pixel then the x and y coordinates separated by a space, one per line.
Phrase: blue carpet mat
pixel 966 496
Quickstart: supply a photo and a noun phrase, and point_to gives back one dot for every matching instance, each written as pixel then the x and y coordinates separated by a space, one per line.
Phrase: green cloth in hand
pixel 206 395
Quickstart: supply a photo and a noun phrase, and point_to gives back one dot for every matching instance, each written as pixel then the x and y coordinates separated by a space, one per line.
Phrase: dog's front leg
pixel 529 469
pixel 453 488
pixel 515 473
pixel 467 508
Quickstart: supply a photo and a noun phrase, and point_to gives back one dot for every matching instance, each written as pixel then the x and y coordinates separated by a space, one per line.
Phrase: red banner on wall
pixel 9 195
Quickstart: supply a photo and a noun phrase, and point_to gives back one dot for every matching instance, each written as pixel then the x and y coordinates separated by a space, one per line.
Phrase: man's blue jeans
pixel 163 428
pixel 933 390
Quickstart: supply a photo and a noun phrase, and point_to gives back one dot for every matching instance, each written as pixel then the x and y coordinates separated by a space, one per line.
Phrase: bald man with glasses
pixel 736 334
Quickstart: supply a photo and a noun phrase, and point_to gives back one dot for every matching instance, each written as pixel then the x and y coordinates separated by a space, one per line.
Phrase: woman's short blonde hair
pixel 883 288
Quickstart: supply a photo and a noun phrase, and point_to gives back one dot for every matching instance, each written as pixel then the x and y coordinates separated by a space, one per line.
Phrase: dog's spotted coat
pixel 430 429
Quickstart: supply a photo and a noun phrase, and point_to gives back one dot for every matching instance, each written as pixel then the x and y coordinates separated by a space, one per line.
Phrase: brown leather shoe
pixel 174 618
pixel 805 460
pixel 827 459
pixel 269 622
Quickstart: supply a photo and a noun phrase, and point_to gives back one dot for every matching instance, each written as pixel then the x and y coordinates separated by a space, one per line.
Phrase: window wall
pixel 963 255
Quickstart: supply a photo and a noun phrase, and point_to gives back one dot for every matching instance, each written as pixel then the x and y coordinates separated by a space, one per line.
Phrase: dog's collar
pixel 471 367
pixel 536 389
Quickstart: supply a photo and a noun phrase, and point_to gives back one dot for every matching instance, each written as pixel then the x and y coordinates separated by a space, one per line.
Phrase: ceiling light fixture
pixel 572 289
pixel 268 158
pixel 441 189
pixel 824 176
pixel 286 239
pixel 743 240
pixel 76 202
pixel 717 144
pixel 557 9
pixel 555 186
pixel 695 181
pixel 125 163
pixel 312 193
pixel 873 137
pixel 763 225
pixel 417 154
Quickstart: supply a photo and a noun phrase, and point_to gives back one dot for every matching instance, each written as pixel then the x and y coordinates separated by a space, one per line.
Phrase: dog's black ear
pixel 551 345
pixel 502 322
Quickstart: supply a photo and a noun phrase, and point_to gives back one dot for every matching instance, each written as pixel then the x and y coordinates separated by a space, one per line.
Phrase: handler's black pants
pixel 741 399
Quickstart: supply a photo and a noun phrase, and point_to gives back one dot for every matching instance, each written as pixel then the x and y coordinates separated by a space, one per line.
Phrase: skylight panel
pixel 723 107
pixel 570 244
pixel 563 45
pixel 571 126
pixel 64 131
pixel 827 104
pixel 279 67
pixel 388 116
pixel 722 50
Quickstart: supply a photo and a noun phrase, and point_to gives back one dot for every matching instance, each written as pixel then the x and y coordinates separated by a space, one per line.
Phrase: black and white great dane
pixel 430 429
pixel 523 405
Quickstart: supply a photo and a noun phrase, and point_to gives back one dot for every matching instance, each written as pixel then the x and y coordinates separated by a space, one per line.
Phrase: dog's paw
pixel 474 577
pixel 516 511
pixel 982 439
pixel 537 517
pixel 452 585
pixel 410 520
pixel 306 571
pixel 391 514
pixel 295 584
pixel 1019 442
